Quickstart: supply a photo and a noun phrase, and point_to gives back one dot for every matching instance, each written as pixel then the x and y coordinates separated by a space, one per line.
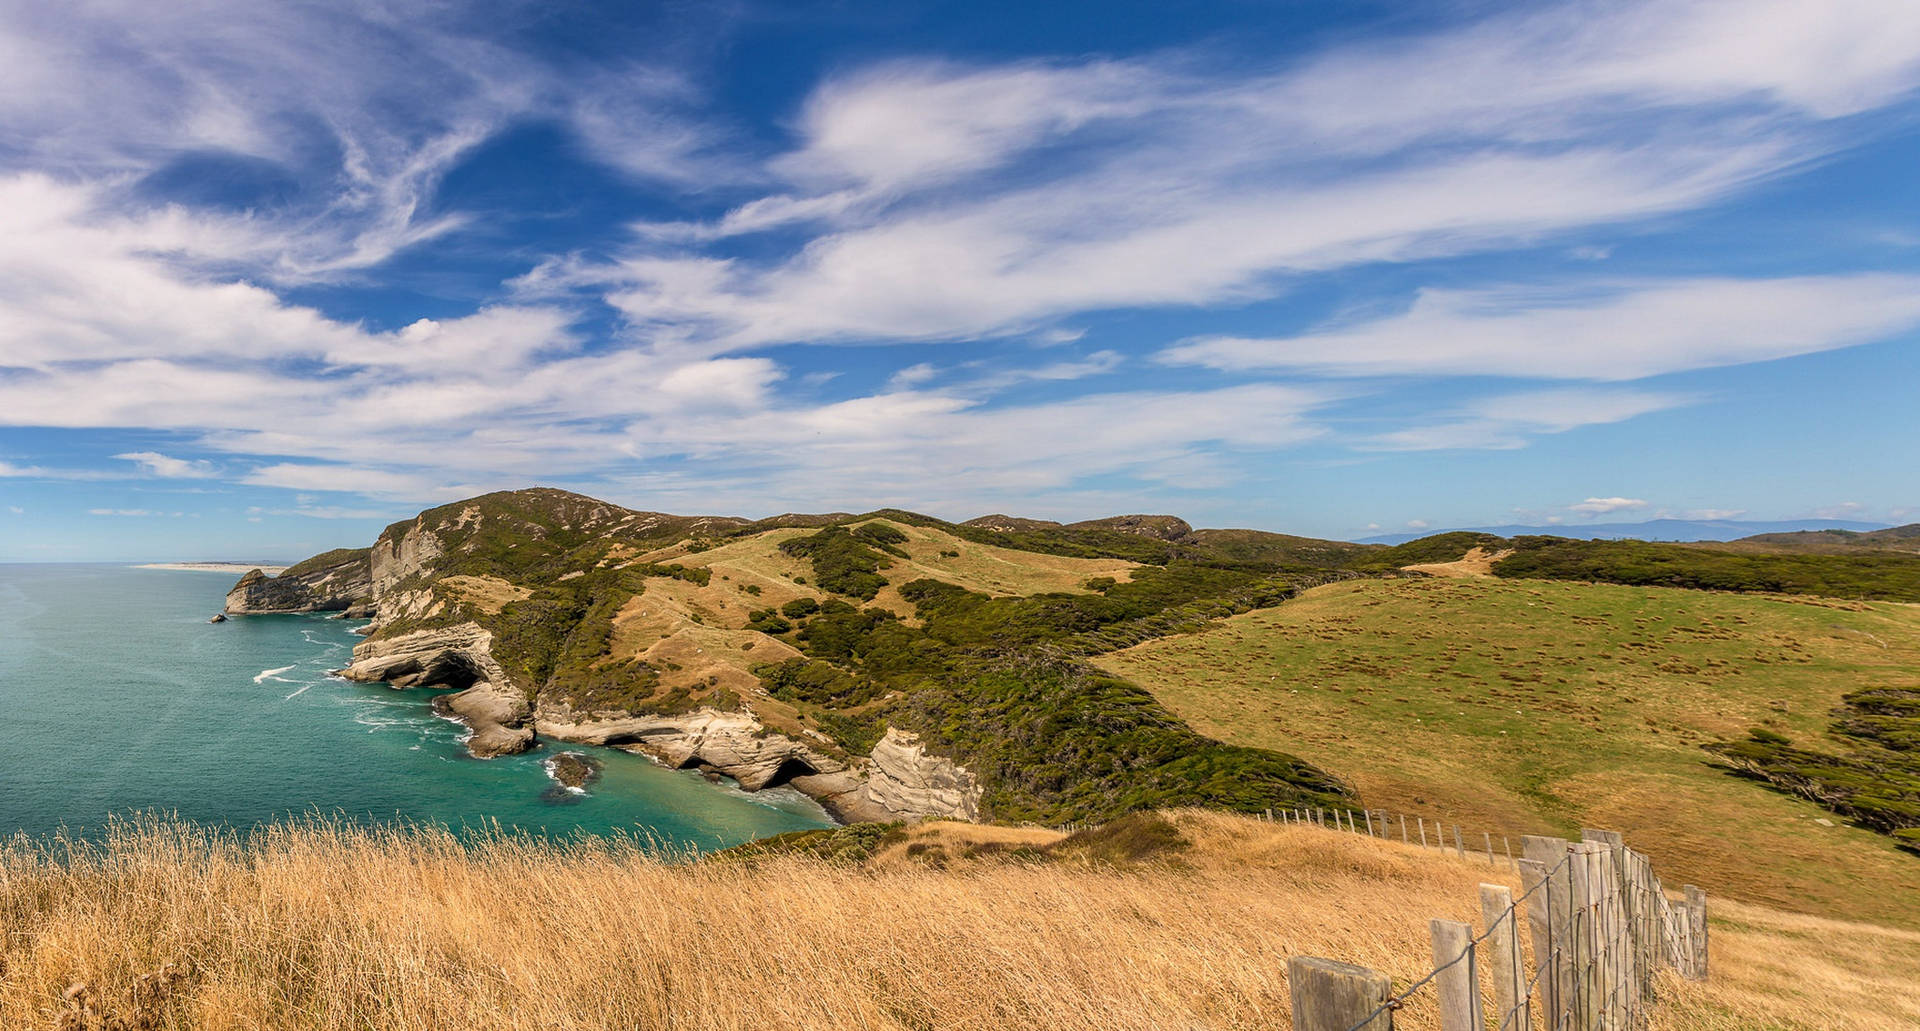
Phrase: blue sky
pixel 272 276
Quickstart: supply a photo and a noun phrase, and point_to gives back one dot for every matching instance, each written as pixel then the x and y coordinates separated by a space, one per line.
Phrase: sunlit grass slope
pixel 948 927
pixel 1541 705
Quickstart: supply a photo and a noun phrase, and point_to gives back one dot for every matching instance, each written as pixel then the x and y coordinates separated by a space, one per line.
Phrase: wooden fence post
pixel 1503 956
pixel 1588 984
pixel 1623 915
pixel 1488 835
pixel 1403 829
pixel 1423 830
pixel 1546 938
pixel 1370 823
pixel 1332 996
pixel 1556 863
pixel 1697 933
pixel 1458 845
pixel 1457 987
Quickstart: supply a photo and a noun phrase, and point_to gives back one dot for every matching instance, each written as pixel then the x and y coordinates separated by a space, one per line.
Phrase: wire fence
pixel 1424 831
pixel 1580 949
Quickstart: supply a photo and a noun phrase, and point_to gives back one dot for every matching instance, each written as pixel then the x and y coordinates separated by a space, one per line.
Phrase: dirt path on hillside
pixel 1476 563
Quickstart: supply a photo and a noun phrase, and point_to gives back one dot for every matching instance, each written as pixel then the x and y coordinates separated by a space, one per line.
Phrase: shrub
pixel 842 562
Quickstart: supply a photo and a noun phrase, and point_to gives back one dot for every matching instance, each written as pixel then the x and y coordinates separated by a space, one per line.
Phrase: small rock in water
pixel 218 617
pixel 573 770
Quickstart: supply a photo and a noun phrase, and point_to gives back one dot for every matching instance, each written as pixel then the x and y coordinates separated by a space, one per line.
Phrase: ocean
pixel 117 696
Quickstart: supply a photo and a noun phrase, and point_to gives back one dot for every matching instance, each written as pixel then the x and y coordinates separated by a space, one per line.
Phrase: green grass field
pixel 1544 706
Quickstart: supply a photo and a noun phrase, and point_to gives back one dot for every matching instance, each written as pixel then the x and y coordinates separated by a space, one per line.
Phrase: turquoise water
pixel 117 695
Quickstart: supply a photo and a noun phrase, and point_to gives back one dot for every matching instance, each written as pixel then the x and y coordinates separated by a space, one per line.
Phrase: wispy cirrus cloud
pixel 157 464
pixel 910 200
pixel 1508 421
pixel 1607 506
pixel 1147 182
pixel 1588 330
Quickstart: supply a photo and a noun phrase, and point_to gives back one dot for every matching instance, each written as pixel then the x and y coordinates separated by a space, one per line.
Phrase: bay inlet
pixel 121 697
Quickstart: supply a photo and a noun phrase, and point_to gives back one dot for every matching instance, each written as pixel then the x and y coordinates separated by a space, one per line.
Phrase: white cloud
pixel 308 510
pixel 1418 524
pixel 1607 506
pixel 36 472
pixel 16 510
pixel 921 200
pixel 1713 515
pixel 1614 332
pixel 157 464
pixel 1508 421
pixel 944 201
pixel 913 375
pixel 340 478
pixel 1843 510
pixel 122 512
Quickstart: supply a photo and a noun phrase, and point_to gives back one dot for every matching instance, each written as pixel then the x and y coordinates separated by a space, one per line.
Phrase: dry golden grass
pixel 487 593
pixel 696 635
pixel 323 927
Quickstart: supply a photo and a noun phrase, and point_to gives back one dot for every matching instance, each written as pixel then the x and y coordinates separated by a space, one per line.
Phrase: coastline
pixel 230 568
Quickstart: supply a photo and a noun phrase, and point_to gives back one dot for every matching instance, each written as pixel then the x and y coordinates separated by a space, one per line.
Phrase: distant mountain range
pixel 1650 530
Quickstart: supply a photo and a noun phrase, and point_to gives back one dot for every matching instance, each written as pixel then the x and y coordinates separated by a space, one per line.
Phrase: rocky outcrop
pixel 734 743
pixel 903 778
pixel 1000 523
pixel 573 770
pixel 899 782
pixel 337 581
pixel 1159 527
pixel 459 656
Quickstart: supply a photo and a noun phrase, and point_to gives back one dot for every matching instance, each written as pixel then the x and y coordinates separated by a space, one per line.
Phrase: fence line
pixel 1600 926
pixel 1380 823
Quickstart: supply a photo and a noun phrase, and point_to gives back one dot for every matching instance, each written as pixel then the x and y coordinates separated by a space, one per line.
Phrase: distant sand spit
pixel 234 568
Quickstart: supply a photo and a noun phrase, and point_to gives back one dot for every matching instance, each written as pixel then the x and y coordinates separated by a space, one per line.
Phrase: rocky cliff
pixel 809 650
pixel 905 779
pixel 898 781
pixel 338 581
pixel 497 713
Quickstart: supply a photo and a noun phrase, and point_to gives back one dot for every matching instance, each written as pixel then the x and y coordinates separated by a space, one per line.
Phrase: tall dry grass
pixel 324 926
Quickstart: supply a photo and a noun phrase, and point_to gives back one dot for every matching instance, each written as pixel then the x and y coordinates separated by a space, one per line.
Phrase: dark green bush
pixel 842 562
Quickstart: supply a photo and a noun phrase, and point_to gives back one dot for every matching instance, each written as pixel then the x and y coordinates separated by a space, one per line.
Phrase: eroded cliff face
pixel 397 558
pixel 903 778
pixel 468 560
pixel 459 656
pixel 338 581
pixel 899 781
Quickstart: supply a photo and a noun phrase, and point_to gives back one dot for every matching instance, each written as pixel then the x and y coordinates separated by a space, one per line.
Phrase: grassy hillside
pixel 1827 542
pixel 1534 704
pixel 943 928
pixel 834 629
pixel 1886 569
pixel 1882 575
